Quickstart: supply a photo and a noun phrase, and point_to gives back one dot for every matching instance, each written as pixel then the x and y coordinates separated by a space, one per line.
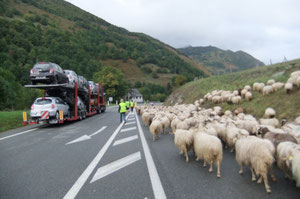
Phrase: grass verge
pixel 11 120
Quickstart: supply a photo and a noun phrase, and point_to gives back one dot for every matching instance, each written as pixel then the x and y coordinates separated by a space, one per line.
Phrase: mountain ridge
pixel 221 61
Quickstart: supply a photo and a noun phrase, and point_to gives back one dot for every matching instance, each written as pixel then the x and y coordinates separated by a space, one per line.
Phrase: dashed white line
pixel 116 165
pixel 18 134
pixel 124 140
pixel 87 172
pixel 157 187
pixel 128 129
pixel 132 118
pixel 128 123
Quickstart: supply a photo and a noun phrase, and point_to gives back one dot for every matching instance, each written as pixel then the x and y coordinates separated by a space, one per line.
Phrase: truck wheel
pixel 80 116
pixel 57 116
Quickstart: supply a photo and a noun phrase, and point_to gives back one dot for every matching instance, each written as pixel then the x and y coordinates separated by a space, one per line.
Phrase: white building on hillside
pixel 135 95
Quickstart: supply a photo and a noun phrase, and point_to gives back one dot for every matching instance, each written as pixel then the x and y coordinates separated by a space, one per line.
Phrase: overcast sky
pixel 267 29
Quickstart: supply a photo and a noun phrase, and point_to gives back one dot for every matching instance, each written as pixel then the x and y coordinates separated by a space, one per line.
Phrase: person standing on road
pixel 127 104
pixel 122 110
pixel 131 105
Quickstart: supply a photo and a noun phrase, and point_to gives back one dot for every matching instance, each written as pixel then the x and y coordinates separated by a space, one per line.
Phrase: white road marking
pixel 18 134
pixel 86 137
pixel 87 172
pixel 157 187
pixel 128 129
pixel 99 131
pixel 124 140
pixel 82 138
pixel 132 118
pixel 128 123
pixel 116 165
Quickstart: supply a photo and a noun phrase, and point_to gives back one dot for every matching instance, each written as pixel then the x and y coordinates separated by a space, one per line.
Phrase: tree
pixel 113 81
pixel 180 80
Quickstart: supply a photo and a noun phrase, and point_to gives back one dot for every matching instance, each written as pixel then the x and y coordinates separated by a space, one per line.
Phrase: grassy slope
pixel 287 106
pixel 11 120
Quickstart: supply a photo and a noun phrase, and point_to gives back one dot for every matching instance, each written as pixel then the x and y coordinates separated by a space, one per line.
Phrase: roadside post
pixel 25 120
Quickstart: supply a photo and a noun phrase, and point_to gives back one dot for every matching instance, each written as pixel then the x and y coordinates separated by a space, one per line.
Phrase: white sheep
pixel 209 149
pixel 288 87
pixel 272 122
pixel 258 154
pixel 243 92
pixel 267 90
pixel 288 160
pixel 270 113
pixel 184 140
pixel 248 96
pixel 247 87
pixel 271 82
pixel 298 82
pixel 278 85
pixel 155 129
pixel 236 99
pixel 260 87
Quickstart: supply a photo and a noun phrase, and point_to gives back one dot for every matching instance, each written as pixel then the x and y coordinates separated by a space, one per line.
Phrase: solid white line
pixel 127 123
pixel 116 165
pixel 18 134
pixel 124 140
pixel 128 129
pixel 158 190
pixel 104 127
pixel 85 175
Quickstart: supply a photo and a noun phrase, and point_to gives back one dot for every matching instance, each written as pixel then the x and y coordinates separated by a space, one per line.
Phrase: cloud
pixel 266 29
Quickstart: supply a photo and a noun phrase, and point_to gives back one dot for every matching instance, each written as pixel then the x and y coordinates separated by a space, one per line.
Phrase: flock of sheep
pixel 235 97
pixel 258 144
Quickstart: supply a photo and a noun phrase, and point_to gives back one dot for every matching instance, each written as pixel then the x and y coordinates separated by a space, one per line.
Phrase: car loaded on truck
pixel 67 96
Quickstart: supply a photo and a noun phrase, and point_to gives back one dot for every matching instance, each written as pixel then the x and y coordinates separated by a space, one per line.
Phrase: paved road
pixel 101 158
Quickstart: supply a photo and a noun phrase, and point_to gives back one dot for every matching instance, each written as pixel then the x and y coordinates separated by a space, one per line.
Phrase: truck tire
pixel 80 115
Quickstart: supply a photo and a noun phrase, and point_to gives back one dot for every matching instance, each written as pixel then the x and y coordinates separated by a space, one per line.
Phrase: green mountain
pixel 59 32
pixel 220 61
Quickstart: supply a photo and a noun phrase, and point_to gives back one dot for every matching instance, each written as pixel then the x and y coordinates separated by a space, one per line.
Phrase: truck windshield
pixel 43 101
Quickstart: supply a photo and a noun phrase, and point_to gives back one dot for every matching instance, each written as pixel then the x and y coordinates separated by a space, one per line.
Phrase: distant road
pixel 101 158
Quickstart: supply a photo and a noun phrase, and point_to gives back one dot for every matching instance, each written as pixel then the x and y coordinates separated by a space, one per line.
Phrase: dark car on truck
pixel 47 73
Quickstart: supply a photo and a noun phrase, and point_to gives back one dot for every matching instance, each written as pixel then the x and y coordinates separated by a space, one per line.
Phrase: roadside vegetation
pixel 11 119
pixel 286 106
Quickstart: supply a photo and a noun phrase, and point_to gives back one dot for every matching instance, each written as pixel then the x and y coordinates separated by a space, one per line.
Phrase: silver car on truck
pixel 48 108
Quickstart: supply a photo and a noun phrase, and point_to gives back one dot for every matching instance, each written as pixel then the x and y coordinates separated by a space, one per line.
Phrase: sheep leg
pixel 259 180
pixel 241 170
pixel 210 166
pixel 232 149
pixel 204 164
pixel 253 175
pixel 267 186
pixel 186 154
pixel 218 169
pixel 272 174
pixel 181 152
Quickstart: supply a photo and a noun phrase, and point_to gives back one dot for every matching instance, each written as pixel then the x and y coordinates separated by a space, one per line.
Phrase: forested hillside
pixel 57 31
pixel 220 61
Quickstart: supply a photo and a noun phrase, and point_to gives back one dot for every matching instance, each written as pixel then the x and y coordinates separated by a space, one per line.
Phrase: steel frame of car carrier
pixel 100 107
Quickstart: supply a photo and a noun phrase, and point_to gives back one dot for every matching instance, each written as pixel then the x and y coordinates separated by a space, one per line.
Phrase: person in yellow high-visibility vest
pixel 131 105
pixel 127 104
pixel 122 110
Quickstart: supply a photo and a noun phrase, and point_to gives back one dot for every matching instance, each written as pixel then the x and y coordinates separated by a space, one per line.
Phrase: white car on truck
pixel 45 108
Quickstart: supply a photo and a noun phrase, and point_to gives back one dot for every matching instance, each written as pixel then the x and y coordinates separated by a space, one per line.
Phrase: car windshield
pixel 42 66
pixel 67 72
pixel 43 101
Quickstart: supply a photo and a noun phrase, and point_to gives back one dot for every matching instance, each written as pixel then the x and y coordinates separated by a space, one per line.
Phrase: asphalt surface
pixel 50 162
